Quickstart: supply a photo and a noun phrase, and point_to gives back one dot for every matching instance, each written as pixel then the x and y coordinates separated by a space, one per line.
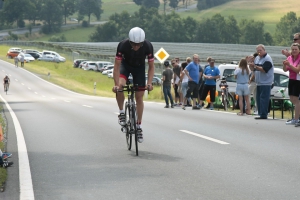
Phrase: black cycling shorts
pixel 138 74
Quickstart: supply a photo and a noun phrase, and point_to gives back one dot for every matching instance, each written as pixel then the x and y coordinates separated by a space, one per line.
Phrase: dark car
pixel 35 55
pixel 78 61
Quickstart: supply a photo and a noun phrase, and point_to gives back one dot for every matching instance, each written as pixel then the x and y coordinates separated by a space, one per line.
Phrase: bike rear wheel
pixel 224 100
pixel 128 126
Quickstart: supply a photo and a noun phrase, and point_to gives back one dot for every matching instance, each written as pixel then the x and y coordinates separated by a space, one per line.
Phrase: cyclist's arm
pixel 116 72
pixel 150 72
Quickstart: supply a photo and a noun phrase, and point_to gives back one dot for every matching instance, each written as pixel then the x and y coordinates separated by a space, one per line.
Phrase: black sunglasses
pixel 136 44
pixel 296 39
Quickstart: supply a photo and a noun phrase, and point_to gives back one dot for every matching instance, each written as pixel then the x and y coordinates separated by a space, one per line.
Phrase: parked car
pixel 106 67
pixel 13 52
pixel 101 65
pixel 111 74
pixel 110 70
pixel 77 62
pixel 30 51
pixel 49 58
pixel 82 63
pixel 27 57
pixel 90 65
pixel 54 54
pixel 281 78
pixel 35 55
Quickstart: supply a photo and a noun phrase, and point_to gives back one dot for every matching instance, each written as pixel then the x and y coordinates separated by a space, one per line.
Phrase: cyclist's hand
pixel 115 88
pixel 149 87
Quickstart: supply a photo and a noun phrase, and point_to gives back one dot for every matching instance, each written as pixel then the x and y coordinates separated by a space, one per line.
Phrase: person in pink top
pixel 292 64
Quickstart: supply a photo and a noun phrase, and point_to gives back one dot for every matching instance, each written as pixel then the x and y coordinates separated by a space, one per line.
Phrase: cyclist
pixel 6 80
pixel 130 58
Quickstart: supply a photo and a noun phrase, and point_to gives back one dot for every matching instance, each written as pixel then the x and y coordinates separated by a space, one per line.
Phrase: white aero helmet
pixel 136 35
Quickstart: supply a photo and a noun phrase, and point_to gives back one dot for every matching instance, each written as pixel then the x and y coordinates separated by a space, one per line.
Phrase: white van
pixel 54 54
pixel 281 78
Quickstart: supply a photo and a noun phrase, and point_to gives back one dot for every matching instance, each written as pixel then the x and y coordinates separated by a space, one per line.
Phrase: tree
pixel 51 14
pixel 190 27
pixel 34 13
pixel 173 3
pixel 104 33
pixel 285 29
pixel 13 12
pixel 138 2
pixel 165 4
pixel 68 8
pixel 206 32
pixel 89 7
pixel 251 32
pixel 151 3
pixel 231 33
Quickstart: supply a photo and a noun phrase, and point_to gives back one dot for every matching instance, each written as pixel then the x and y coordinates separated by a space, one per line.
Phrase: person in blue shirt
pixel 211 73
pixel 193 73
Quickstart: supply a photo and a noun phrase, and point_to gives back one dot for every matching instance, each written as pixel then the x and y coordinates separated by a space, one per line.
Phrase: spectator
pixel 176 79
pixel 296 39
pixel 166 78
pixel 242 76
pixel 210 74
pixel 16 61
pixel 22 60
pixel 200 80
pixel 184 83
pixel 192 71
pixel 203 81
pixel 264 76
pixel 292 64
pixel 252 84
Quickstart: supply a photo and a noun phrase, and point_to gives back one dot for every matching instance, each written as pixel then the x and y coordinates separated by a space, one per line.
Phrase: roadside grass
pixel 3 172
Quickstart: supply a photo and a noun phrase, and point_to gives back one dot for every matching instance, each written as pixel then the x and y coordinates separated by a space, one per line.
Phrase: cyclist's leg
pixel 120 95
pixel 139 105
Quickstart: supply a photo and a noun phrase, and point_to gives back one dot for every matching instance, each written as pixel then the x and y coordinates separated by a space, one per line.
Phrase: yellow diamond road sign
pixel 161 55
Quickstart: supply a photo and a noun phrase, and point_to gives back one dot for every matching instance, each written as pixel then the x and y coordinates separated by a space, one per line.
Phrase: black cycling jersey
pixel 134 58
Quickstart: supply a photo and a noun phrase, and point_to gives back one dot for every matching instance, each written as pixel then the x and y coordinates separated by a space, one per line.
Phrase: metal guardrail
pixel 223 53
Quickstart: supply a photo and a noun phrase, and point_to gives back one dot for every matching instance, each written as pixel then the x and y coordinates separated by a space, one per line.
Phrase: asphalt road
pixel 77 151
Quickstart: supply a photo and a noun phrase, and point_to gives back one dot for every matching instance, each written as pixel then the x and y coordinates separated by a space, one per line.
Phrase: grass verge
pixel 3 172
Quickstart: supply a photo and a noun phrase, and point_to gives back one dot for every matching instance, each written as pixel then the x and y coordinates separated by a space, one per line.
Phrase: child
pixel 242 90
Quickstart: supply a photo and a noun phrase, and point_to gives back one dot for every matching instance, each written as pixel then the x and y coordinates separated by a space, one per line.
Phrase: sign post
pixel 161 55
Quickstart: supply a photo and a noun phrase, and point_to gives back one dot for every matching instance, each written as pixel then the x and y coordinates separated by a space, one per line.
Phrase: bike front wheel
pixel 230 101
pixel 128 126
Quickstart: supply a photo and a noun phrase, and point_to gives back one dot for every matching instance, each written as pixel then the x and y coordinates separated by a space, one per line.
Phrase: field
pixel 269 11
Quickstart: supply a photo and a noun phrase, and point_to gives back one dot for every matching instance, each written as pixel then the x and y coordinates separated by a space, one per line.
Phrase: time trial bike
pixel 130 115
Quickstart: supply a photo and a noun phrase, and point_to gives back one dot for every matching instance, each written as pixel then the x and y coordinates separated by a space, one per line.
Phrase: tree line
pixel 217 29
pixel 52 13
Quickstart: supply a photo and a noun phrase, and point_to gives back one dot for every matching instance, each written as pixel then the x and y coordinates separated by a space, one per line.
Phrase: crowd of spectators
pixel 254 76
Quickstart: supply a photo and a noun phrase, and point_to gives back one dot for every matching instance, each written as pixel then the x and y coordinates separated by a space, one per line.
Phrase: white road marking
pixel 67 101
pixel 16 80
pixel 87 106
pixel 35 92
pixel 22 83
pixel 52 98
pixel 204 137
pixel 29 88
pixel 43 96
pixel 26 188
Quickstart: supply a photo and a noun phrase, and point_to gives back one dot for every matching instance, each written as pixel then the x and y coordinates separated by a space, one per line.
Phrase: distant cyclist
pixel 130 58
pixel 6 80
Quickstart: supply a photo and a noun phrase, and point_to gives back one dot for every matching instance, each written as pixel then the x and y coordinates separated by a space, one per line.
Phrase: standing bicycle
pixel 6 82
pixel 130 127
pixel 130 58
pixel 226 96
